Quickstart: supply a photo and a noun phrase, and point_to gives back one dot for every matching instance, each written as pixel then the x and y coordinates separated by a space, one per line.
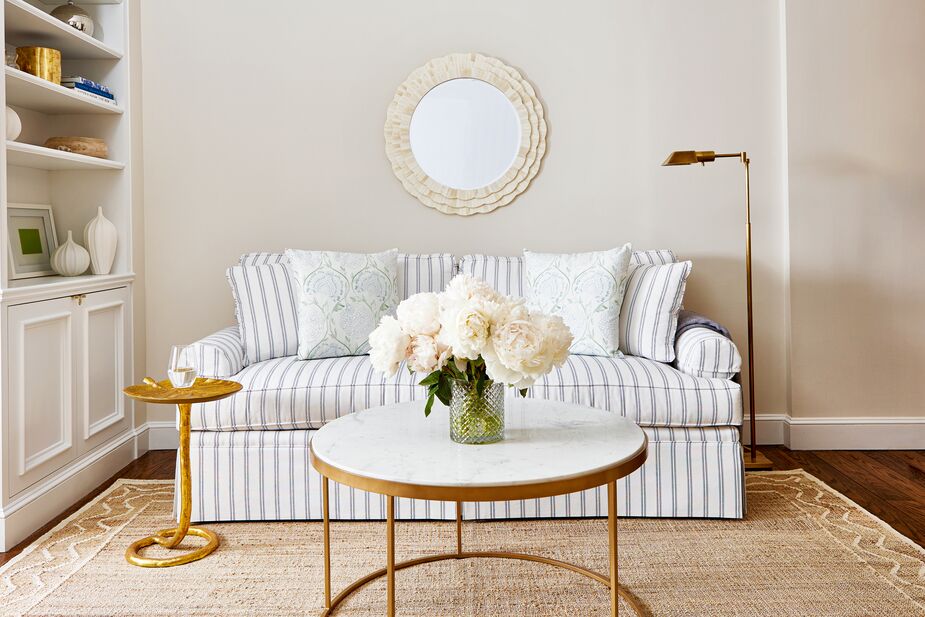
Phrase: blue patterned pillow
pixel 341 298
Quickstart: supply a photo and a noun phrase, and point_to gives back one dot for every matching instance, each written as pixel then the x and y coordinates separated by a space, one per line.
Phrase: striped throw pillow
pixel 264 299
pixel 649 315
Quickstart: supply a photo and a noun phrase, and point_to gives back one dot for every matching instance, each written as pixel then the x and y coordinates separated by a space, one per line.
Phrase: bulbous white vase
pixel 13 124
pixel 101 238
pixel 70 259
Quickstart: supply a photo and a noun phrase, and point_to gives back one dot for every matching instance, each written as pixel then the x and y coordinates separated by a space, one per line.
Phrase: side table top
pixel 203 390
pixel 550 448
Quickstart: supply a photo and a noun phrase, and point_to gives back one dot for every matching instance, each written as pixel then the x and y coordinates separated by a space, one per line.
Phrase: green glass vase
pixel 475 418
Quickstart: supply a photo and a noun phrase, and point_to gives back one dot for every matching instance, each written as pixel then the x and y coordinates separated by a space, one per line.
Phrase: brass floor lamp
pixel 754 460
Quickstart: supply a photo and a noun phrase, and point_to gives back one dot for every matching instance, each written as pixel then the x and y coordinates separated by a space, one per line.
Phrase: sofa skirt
pixel 267 476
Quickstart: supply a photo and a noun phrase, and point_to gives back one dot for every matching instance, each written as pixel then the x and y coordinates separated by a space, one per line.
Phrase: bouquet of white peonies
pixel 471 334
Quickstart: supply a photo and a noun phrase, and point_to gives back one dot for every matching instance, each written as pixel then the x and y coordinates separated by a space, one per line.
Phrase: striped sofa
pixel 250 451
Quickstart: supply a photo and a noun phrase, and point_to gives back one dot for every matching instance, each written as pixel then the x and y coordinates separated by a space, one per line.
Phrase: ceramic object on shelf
pixel 70 259
pixel 75 17
pixel 88 146
pixel 101 239
pixel 43 62
pixel 13 124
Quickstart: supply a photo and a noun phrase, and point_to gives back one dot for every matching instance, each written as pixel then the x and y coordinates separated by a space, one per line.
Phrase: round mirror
pixel 465 133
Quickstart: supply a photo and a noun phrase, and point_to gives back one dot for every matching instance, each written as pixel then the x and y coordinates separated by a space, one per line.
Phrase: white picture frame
pixel 28 224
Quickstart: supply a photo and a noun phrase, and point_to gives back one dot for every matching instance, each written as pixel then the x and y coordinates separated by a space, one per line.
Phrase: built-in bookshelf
pixel 67 343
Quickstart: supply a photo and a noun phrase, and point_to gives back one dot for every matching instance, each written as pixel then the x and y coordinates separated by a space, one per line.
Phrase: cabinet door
pixel 41 398
pixel 103 367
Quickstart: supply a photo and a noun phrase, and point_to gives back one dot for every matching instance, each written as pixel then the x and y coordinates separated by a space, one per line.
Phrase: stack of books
pixel 90 89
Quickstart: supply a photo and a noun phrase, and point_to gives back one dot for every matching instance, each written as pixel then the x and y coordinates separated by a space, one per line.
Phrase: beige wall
pixel 263 130
pixel 857 207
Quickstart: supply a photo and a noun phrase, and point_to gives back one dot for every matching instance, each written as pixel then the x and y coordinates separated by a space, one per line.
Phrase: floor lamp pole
pixel 748 293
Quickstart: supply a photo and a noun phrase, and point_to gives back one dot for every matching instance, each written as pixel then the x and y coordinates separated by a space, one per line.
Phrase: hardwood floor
pixel 889 484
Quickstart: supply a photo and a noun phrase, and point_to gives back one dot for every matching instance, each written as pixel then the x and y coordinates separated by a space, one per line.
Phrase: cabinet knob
pixel 80 298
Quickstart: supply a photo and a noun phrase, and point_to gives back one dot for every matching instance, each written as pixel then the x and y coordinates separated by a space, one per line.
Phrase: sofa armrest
pixel 702 352
pixel 221 354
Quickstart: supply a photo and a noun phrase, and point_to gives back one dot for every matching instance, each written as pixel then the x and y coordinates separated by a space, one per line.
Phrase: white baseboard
pixel 839 433
pixel 162 435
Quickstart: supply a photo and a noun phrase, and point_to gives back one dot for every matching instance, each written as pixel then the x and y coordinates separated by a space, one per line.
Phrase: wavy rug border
pixel 107 535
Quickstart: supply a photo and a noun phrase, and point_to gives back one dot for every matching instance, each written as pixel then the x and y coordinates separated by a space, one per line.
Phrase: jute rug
pixel 803 550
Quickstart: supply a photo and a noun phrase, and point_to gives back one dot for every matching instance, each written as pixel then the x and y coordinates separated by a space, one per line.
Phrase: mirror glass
pixel 465 133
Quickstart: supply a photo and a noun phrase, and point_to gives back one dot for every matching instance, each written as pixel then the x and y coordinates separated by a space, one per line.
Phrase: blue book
pixel 91 90
pixel 85 81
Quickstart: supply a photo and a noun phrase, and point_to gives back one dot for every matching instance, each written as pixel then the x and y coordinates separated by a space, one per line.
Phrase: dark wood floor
pixel 890 484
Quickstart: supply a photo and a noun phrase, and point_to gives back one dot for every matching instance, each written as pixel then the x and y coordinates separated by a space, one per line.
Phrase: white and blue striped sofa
pixel 250 451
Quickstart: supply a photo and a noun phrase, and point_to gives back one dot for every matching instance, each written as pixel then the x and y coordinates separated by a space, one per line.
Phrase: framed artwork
pixel 32 240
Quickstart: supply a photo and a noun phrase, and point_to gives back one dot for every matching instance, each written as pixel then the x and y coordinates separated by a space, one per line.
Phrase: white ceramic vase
pixel 13 124
pixel 101 238
pixel 70 259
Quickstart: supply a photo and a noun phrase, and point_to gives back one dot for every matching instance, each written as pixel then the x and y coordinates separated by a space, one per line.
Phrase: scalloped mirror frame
pixel 464 201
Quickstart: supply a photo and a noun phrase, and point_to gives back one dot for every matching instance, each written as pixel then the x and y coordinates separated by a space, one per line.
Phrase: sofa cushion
pixel 265 309
pixel 286 393
pixel 507 274
pixel 649 315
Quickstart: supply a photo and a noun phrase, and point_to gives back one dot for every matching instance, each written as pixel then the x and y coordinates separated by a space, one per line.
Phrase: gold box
pixel 42 62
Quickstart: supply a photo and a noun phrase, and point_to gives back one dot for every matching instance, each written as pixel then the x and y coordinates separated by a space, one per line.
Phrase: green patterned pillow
pixel 342 297
pixel 586 291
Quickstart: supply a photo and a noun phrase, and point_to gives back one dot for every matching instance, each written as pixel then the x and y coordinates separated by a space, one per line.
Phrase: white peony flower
pixel 426 354
pixel 525 347
pixel 388 346
pixel 464 287
pixel 420 314
pixel 466 327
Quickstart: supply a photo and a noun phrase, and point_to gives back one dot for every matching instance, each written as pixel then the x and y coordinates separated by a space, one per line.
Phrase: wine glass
pixel 183 367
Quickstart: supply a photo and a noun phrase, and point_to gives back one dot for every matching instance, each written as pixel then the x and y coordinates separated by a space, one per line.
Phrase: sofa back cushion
pixel 416 273
pixel 266 298
pixel 507 274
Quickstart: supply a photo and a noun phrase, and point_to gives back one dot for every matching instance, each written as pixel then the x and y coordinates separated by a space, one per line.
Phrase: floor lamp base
pixel 761 462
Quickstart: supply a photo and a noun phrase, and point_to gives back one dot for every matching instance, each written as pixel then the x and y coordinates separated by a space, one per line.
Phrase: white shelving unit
pixel 67 342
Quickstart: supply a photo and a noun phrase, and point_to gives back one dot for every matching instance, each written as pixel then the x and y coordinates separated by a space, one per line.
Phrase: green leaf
pixel 430 379
pixel 523 392
pixel 430 403
pixel 480 385
pixel 444 391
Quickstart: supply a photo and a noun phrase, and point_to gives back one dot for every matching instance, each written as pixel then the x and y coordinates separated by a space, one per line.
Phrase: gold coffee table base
pixel 608 580
pixel 629 598
pixel 133 557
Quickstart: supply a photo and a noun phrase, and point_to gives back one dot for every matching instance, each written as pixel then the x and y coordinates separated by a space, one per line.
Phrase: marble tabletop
pixel 544 441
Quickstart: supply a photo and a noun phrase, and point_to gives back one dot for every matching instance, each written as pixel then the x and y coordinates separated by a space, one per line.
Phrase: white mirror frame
pixel 464 201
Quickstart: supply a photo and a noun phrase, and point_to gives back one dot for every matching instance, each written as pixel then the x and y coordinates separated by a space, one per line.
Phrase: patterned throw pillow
pixel 342 297
pixel 586 291
pixel 266 311
pixel 649 317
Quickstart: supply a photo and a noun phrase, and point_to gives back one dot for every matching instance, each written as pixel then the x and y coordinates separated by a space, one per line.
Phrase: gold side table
pixel 202 391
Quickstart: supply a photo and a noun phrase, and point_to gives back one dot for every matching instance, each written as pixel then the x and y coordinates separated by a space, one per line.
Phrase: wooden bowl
pixel 88 146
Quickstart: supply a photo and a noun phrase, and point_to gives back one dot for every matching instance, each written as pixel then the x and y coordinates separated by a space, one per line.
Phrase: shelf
pixel 37 157
pixel 37 94
pixel 28 25
pixel 44 287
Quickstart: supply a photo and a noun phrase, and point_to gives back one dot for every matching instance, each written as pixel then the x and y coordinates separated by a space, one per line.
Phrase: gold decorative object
pixel 465 201
pixel 393 489
pixel 202 391
pixel 88 146
pixel 689 157
pixel 43 62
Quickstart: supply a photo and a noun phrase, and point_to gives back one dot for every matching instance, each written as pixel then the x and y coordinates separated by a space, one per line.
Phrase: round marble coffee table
pixel 549 448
